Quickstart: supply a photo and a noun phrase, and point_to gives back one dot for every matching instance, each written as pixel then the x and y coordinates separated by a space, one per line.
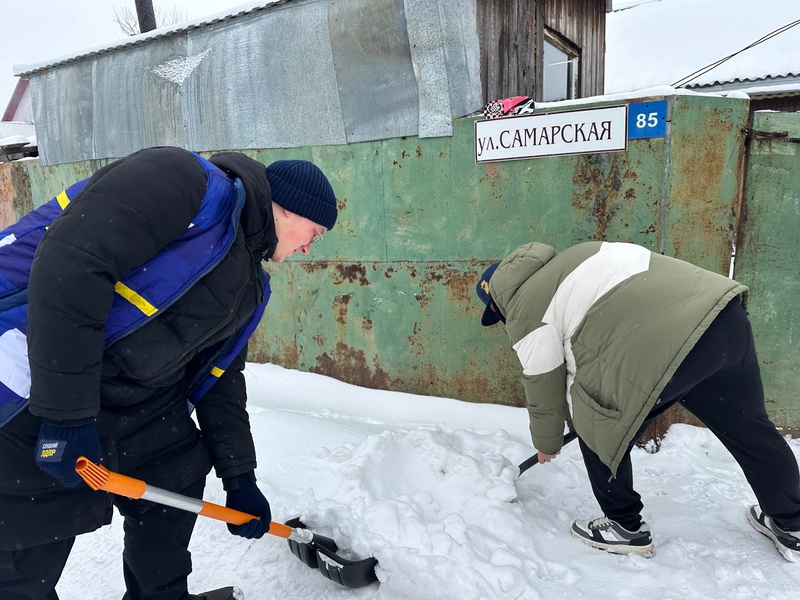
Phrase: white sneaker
pixel 608 535
pixel 787 542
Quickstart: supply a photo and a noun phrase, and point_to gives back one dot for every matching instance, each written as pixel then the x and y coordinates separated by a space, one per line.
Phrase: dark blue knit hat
pixel 300 187
pixel 489 317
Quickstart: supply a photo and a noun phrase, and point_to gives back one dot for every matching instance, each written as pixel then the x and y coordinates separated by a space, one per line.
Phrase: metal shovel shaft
pixel 534 460
pixel 100 478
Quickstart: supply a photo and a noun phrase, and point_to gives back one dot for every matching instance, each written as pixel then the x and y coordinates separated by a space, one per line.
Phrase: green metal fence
pixel 386 299
pixel 768 259
pixel 392 306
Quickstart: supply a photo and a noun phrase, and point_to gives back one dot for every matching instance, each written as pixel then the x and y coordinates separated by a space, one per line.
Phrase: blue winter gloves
pixel 244 495
pixel 59 447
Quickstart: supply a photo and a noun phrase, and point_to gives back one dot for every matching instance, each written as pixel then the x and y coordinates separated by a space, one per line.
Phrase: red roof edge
pixel 16 98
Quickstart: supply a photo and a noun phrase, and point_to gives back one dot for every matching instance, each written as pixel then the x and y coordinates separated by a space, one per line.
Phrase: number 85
pixel 643 120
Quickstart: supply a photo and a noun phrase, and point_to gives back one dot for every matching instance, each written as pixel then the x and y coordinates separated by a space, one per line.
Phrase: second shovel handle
pixel 534 460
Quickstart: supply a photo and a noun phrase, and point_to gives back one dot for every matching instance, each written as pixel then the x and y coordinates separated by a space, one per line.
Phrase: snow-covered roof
pixel 226 82
pixel 15 132
pixel 249 7
pixel 668 42
pixel 17 141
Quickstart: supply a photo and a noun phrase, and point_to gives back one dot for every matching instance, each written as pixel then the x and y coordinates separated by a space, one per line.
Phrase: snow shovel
pixel 534 460
pixel 316 551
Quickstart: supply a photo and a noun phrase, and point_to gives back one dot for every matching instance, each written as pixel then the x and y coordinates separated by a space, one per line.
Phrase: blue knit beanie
pixel 300 187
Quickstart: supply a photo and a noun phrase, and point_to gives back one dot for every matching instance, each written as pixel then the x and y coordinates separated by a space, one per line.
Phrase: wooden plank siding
pixel 507 47
pixel 511 34
pixel 785 103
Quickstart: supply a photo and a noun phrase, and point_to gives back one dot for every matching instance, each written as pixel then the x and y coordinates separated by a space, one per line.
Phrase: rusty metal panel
pixel 401 326
pixel 441 203
pixel 356 175
pixel 10 194
pixel 706 146
pixel 768 260
pixel 386 299
pixel 47 181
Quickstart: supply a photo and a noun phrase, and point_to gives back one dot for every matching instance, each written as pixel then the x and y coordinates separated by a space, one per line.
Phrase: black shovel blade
pixel 321 554
pixel 307 553
pixel 349 573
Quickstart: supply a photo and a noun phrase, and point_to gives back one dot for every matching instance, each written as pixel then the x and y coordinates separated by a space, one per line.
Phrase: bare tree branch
pixel 128 22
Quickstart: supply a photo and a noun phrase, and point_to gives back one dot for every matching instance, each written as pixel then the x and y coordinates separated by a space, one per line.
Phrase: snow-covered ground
pixel 429 486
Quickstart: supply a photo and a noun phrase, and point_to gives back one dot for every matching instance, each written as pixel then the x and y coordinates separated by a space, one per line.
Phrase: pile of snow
pixel 429 486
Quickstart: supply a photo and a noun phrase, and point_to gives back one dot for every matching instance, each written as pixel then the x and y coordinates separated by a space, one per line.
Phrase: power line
pixel 703 70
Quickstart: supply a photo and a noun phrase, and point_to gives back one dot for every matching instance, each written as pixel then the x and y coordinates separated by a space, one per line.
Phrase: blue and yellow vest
pixel 139 297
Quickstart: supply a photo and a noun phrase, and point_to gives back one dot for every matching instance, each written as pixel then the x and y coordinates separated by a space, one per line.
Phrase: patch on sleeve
pixel 51 450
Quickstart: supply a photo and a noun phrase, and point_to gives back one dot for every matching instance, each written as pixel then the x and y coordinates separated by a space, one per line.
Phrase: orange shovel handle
pixel 100 478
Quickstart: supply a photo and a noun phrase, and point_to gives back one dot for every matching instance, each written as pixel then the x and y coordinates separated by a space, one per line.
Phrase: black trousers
pixel 32 574
pixel 720 383
pixel 156 559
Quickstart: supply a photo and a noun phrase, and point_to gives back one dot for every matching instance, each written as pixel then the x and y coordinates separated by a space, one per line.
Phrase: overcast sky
pixel 36 30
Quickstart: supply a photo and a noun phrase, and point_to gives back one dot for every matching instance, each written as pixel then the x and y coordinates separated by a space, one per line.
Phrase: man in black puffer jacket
pixel 125 402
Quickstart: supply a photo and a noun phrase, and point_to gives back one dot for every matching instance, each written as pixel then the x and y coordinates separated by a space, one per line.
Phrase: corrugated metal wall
pixel 301 73
pixel 387 298
pixel 768 259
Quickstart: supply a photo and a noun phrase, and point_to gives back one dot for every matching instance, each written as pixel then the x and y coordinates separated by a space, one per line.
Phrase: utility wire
pixel 682 82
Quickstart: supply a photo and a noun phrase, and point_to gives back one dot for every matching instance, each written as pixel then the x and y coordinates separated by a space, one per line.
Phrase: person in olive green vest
pixel 614 334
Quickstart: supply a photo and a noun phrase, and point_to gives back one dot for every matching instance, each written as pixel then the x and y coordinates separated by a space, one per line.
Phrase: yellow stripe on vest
pixel 62 199
pixel 217 372
pixel 135 299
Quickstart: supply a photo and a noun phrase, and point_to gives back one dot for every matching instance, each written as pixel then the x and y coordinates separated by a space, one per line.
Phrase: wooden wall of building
pixel 511 34
pixel 787 103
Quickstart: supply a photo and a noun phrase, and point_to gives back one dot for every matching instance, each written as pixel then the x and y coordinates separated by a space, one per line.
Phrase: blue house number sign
pixel 647 120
